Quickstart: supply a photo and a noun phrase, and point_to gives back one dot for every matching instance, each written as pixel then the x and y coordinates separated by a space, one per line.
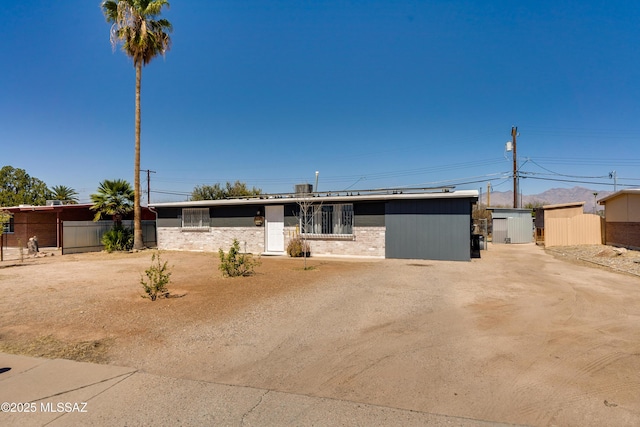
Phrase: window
pixel 325 220
pixel 7 227
pixel 195 219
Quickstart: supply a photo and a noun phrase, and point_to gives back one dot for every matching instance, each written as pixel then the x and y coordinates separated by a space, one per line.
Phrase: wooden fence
pixel 585 229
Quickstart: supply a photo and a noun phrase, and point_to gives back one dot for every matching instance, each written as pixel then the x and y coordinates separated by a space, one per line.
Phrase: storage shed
pixel 622 218
pixel 512 225
pixel 383 224
pixel 566 225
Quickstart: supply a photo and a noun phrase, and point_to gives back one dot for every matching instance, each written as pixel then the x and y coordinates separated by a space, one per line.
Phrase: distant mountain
pixel 553 196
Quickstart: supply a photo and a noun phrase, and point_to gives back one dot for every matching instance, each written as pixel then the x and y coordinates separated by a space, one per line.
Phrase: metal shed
pixel 512 225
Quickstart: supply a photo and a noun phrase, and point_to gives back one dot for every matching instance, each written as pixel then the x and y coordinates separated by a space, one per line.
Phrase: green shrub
pixel 158 277
pixel 118 239
pixel 297 247
pixel 234 263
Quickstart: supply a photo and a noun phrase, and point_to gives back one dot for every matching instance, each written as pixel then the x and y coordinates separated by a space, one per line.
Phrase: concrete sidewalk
pixel 66 393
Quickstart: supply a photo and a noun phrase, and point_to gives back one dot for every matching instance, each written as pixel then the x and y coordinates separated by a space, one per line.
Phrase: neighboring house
pixel 46 222
pixel 420 225
pixel 567 225
pixel 622 218
pixel 511 225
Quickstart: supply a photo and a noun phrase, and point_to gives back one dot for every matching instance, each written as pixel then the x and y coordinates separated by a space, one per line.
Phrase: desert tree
pixel 308 211
pixel 17 187
pixel 136 24
pixel 217 191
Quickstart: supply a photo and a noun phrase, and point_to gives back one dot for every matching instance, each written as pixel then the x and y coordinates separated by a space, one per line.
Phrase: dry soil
pixel 518 336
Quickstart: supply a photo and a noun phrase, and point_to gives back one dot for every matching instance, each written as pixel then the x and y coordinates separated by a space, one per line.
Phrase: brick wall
pixel 368 241
pixel 173 238
pixel 626 234
pixel 41 224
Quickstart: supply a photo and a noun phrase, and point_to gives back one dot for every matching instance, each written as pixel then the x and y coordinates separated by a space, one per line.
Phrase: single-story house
pixel 391 224
pixel 46 222
pixel 511 225
pixel 566 224
pixel 622 218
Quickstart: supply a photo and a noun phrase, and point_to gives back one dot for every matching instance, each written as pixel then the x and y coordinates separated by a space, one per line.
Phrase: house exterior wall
pixel 421 228
pixel 174 238
pixel 624 208
pixel 622 219
pixel 625 234
pixel 29 224
pixel 367 242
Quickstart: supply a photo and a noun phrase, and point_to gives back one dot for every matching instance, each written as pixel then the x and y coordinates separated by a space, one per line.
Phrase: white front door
pixel 274 222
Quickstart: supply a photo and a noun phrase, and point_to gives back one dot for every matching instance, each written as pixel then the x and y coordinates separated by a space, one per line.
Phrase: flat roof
pixel 313 198
pixel 31 208
pixel 508 209
pixel 619 193
pixel 564 205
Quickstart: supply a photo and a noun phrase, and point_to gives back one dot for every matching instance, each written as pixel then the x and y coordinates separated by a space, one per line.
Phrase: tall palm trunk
pixel 137 222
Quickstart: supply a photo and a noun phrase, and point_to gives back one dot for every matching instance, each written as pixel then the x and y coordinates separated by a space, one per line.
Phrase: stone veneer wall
pixel 173 238
pixel 368 242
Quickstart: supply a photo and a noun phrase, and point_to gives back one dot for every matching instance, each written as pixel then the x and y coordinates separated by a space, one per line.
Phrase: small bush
pixel 118 239
pixel 234 263
pixel 297 247
pixel 158 277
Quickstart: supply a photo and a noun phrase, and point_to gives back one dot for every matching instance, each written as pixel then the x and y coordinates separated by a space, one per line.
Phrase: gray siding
pixel 512 225
pixel 169 222
pixel 429 229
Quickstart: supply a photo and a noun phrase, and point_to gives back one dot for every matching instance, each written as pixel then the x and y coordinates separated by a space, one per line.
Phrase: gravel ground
pixel 617 259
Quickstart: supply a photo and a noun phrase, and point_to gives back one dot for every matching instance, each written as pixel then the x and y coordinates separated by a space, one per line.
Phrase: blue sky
pixel 372 94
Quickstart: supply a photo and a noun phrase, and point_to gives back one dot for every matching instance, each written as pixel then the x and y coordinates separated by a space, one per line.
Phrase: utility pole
pixel 149 172
pixel 488 194
pixel 514 134
pixel 615 180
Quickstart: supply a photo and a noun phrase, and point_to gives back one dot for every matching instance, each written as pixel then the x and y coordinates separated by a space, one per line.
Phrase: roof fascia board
pixel 471 194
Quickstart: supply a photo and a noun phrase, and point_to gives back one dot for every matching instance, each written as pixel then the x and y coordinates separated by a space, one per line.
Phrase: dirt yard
pixel 518 336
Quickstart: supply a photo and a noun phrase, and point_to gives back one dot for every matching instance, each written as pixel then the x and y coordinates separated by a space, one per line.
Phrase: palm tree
pixel 64 193
pixel 114 198
pixel 143 37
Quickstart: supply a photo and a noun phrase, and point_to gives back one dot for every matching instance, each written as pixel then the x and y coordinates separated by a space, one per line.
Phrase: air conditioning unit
pixel 55 203
pixel 303 189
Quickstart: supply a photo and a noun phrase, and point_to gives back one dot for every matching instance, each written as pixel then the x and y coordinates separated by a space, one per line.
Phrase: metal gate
pixel 86 236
